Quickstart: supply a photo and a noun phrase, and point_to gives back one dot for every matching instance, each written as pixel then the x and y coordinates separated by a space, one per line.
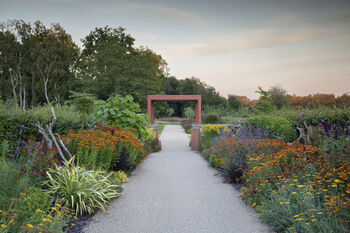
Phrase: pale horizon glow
pixel 233 45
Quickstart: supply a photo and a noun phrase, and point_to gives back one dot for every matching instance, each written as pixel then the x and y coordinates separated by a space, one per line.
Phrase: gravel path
pixel 175 190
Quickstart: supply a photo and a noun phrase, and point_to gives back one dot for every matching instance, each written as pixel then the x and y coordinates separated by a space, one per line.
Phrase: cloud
pixel 171 13
pixel 246 40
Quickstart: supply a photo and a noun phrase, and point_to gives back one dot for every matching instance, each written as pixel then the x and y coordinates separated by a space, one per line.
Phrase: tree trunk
pixel 14 85
pixel 33 91
pixel 45 89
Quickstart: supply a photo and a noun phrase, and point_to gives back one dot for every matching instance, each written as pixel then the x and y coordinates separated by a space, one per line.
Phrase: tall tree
pixel 110 64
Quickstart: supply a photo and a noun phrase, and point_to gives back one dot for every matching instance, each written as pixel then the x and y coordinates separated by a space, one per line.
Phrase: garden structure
pixel 195 131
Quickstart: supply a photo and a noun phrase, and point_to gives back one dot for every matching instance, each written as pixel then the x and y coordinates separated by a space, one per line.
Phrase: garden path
pixel 175 190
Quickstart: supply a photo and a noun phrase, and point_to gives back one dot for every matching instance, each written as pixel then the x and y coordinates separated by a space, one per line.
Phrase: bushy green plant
pixel 123 112
pixel 84 191
pixel 18 125
pixel 83 102
pixel 190 113
pixel 314 116
pixel 264 106
pixel 211 119
pixel 233 102
pixel 278 126
pixel 122 177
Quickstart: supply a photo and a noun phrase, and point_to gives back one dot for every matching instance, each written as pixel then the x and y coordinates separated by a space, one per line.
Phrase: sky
pixel 233 45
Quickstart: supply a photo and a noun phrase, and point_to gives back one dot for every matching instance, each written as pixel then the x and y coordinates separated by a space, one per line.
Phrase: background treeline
pixel 40 64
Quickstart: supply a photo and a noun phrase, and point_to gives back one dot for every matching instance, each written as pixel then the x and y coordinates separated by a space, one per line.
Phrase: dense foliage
pixel 123 112
pixel 278 127
pixel 19 125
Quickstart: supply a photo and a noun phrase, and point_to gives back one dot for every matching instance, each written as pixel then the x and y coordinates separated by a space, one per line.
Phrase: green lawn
pixel 160 129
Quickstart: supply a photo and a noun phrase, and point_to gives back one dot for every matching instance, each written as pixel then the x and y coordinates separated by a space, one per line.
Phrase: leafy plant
pixel 122 177
pixel 12 182
pixel 212 119
pixel 123 112
pixel 264 106
pixel 105 148
pixel 83 190
pixel 16 125
pixel 277 126
pixel 32 211
pixel 190 113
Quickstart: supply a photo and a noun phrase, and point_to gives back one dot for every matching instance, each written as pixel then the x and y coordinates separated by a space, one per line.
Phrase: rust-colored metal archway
pixel 196 98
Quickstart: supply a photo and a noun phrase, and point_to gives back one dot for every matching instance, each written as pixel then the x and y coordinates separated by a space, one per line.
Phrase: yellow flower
pixel 12 222
pixel 294 193
pixel 299 219
pixel 3 226
pixel 295 216
pixel 281 203
pixel 30 226
pixel 54 208
pixel 73 224
pixel 254 204
pixel 319 213
pixel 22 194
pixel 311 210
pixel 49 216
pixel 39 211
pixel 334 185
pixel 58 205
pixel 307 223
pixel 300 185
pixel 313 220
pixel 287 202
pixel 75 217
pixel 338 181
pixel 46 220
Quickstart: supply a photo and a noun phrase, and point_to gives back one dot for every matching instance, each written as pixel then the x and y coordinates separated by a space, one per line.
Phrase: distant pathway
pixel 176 191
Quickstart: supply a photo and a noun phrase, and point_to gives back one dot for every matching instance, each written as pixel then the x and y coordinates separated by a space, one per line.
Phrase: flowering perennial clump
pixel 103 147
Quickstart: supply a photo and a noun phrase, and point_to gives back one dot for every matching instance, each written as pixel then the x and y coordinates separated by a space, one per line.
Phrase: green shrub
pixel 123 112
pixel 84 191
pixel 18 125
pixel 264 107
pixel 211 119
pixel 277 126
pixel 314 116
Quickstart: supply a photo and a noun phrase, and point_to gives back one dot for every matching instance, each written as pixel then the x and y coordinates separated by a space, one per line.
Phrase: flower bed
pixel 296 187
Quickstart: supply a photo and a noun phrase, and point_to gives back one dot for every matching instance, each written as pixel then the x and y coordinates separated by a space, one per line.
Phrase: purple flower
pixel 8 133
pixel 22 126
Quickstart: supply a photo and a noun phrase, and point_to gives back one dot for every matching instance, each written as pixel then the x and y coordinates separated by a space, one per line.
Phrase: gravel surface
pixel 175 190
